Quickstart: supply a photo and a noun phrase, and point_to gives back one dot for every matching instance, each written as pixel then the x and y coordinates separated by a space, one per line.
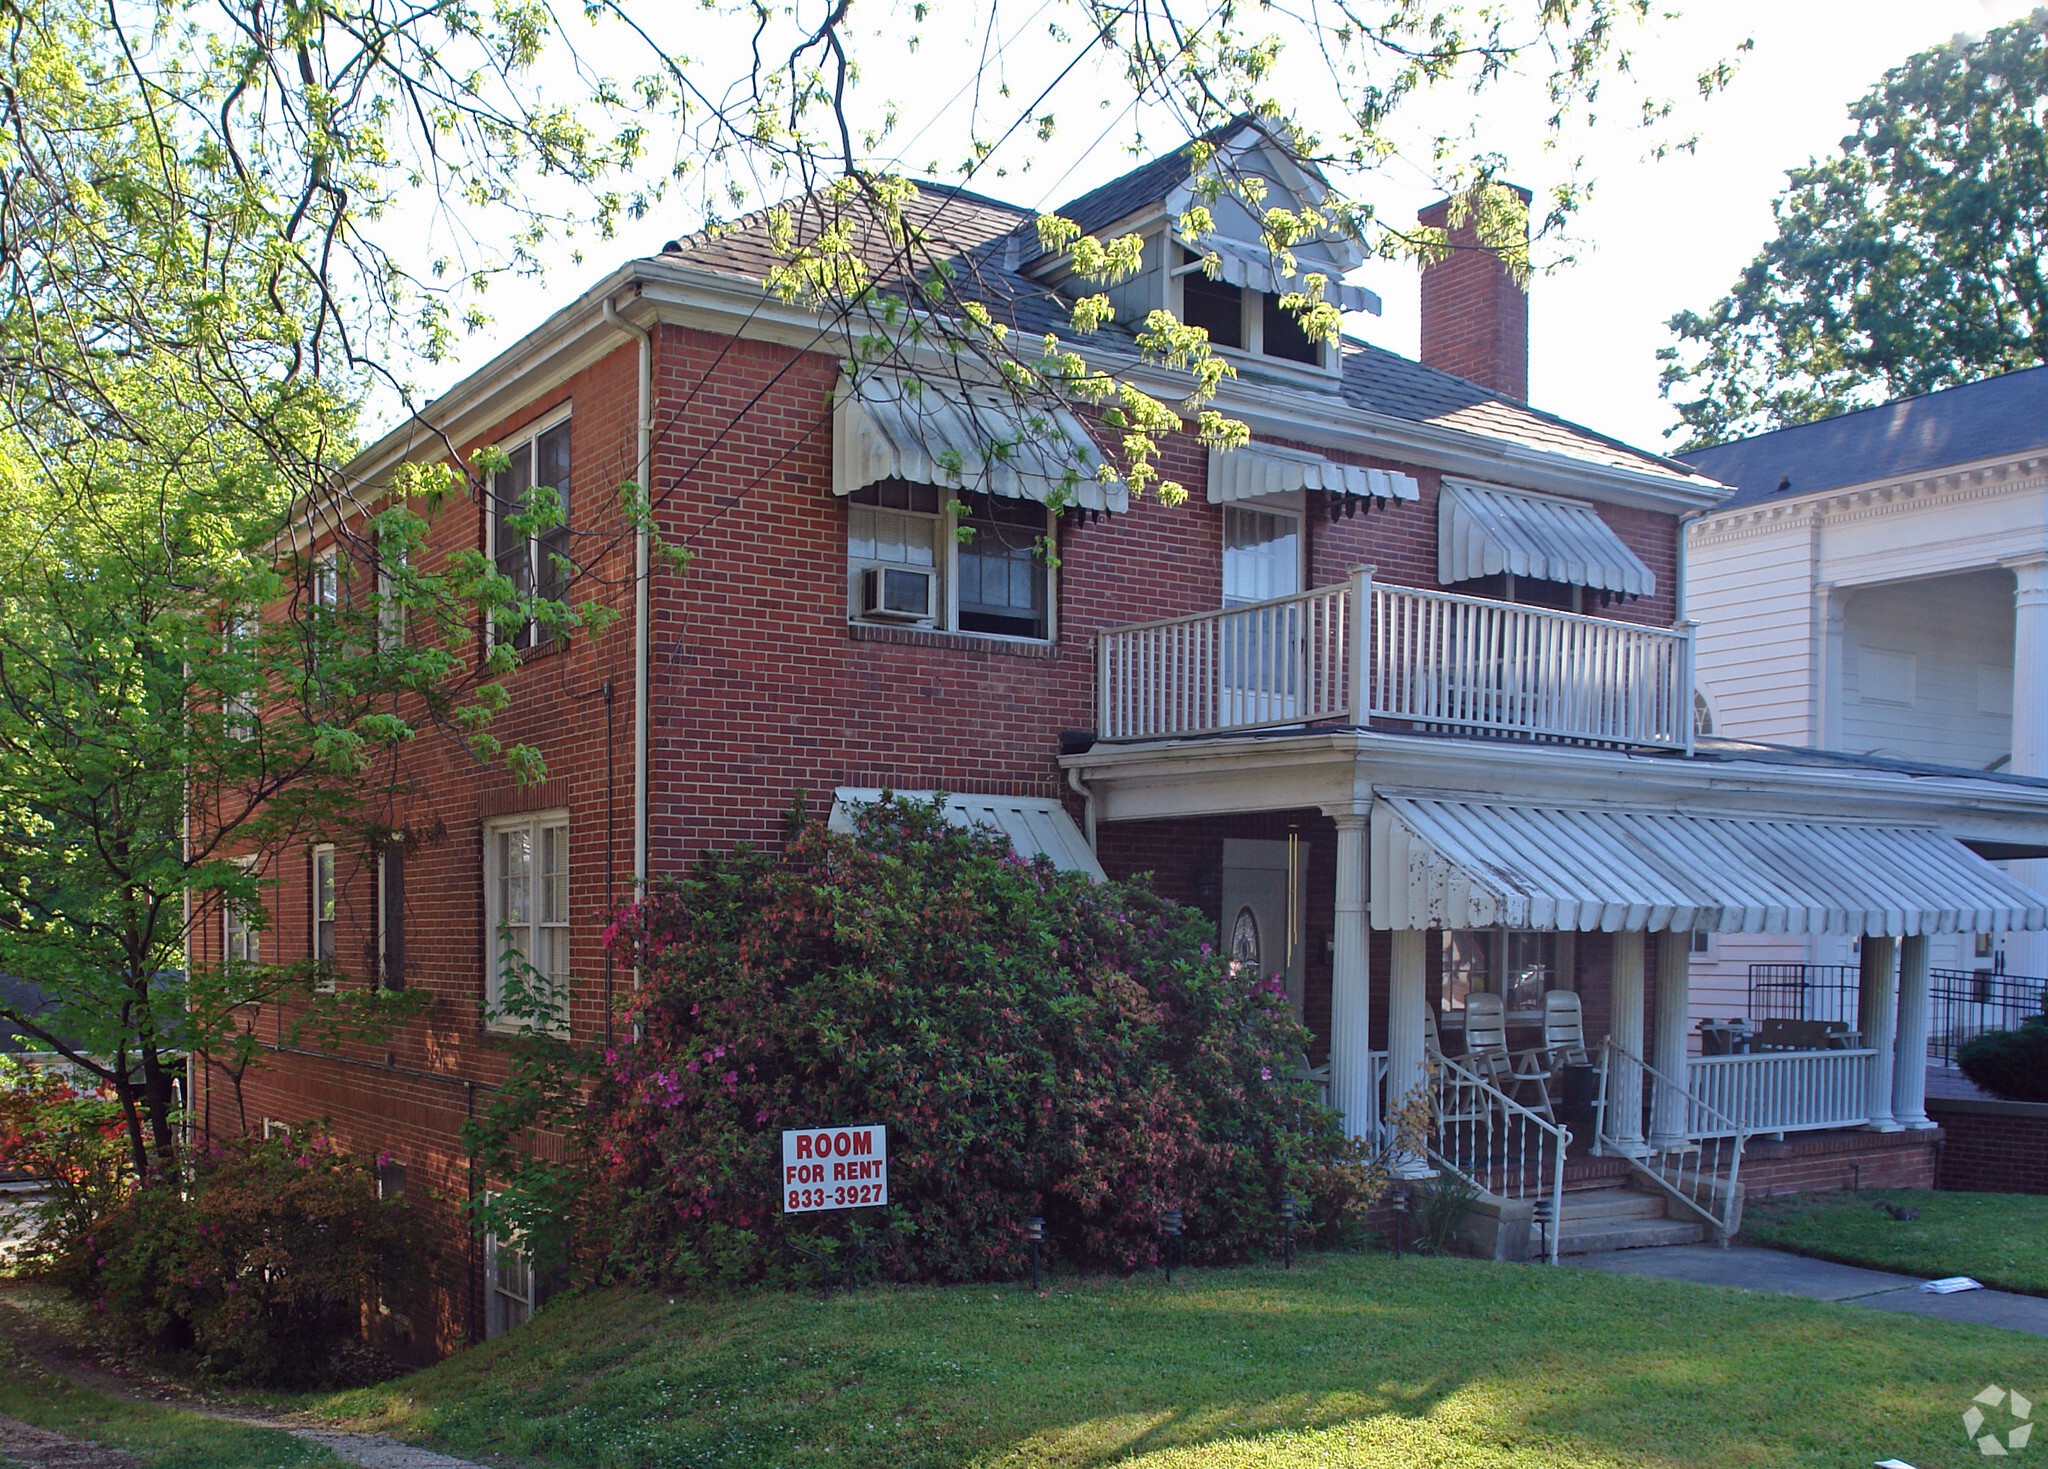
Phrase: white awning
pixel 1250 264
pixel 1035 826
pixel 1470 864
pixel 1268 469
pixel 1483 530
pixel 891 426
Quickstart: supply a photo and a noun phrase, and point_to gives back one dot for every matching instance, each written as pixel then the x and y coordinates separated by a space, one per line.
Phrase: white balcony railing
pixel 1365 654
pixel 1784 1091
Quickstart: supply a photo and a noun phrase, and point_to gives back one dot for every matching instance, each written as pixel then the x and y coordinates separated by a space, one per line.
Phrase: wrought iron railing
pixel 1962 1003
pixel 1492 1141
pixel 1689 1149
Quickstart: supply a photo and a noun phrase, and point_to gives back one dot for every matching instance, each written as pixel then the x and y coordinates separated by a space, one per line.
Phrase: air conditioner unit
pixel 890 595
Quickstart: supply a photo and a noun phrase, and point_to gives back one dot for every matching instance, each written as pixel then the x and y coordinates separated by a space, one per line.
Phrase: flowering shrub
pixel 1036 1045
pixel 263 1262
pixel 69 1138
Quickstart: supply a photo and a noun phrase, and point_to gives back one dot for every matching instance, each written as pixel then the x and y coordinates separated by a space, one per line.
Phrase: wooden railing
pixel 1780 1091
pixel 1369 654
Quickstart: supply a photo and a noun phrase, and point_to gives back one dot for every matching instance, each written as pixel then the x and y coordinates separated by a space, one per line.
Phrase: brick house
pixel 1434 796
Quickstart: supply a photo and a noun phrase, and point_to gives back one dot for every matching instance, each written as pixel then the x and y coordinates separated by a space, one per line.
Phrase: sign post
pixel 835 1168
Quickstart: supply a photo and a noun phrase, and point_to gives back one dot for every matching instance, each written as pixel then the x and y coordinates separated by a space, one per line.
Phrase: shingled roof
pixel 1997 417
pixel 984 242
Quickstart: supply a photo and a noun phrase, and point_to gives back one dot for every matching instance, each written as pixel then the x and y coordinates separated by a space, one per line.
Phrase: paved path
pixel 1746 1267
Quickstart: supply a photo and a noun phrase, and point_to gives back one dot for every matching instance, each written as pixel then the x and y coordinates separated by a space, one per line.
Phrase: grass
pixel 1999 1239
pixel 161 1437
pixel 1345 1361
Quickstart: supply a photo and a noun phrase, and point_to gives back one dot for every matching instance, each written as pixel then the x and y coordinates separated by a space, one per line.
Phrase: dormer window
pixel 1242 318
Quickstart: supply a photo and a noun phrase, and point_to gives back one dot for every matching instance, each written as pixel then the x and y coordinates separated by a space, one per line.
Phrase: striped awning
pixel 894 426
pixel 1470 864
pixel 1268 469
pixel 1250 264
pixel 1483 530
pixel 1036 826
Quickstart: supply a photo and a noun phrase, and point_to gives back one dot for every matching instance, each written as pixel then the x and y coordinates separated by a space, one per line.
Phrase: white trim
pixel 314 922
pixel 536 824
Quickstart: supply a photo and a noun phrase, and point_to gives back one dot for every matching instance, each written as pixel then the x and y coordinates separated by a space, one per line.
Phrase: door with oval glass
pixel 1264 905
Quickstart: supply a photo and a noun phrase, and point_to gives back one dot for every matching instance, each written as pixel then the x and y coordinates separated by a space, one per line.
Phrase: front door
pixel 1264 904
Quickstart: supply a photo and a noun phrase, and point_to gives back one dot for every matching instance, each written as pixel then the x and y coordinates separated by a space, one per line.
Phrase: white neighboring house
pixel 1877 585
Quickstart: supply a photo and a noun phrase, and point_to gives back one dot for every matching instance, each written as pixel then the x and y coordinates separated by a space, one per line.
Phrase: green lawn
pixel 1345 1361
pixel 161 1437
pixel 1999 1239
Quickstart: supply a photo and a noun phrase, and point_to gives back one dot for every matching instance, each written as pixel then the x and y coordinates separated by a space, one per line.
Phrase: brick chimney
pixel 1475 319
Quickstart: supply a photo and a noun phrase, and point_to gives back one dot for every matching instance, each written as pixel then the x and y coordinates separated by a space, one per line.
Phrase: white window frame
pixel 231 927
pixel 527 441
pixel 273 1128
pixel 512 1302
pixel 326 583
pixel 536 825
pixel 1292 505
pixel 946 568
pixel 1251 324
pixel 390 611
pixel 321 856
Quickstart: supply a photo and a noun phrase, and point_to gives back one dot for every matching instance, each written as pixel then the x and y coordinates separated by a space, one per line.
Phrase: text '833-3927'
pixel 834 1168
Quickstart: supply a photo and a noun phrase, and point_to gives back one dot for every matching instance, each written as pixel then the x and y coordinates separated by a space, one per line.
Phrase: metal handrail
pixel 1658 1165
pixel 1514 1162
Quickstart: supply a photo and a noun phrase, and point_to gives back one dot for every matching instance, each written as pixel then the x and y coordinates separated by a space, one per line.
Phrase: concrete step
pixel 1592 1236
pixel 1613 1203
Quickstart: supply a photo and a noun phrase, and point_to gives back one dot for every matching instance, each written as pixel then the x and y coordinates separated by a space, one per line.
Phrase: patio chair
pixel 1486 1042
pixel 1564 1031
pixel 1315 1075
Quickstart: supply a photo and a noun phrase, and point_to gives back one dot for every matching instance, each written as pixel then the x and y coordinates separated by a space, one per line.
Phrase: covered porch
pixel 1434 880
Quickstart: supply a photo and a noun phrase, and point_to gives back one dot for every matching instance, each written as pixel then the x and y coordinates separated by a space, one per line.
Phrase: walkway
pixel 1745 1267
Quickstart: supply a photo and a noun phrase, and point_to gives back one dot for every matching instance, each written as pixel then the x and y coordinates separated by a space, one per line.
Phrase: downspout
pixel 1080 788
pixel 643 423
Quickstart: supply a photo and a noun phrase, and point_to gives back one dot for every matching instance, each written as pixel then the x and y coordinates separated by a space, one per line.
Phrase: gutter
pixel 643 425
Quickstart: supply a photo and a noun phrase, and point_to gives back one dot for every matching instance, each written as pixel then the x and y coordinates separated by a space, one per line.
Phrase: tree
pixel 1911 262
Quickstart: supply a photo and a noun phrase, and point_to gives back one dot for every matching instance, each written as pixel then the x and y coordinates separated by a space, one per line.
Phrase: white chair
pixel 1453 1099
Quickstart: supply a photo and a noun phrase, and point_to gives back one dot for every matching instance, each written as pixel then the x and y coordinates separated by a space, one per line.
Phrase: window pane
pixel 920 541
pixel 1002 572
pixel 888 537
pixel 553 467
pixel 1283 334
pixel 554 890
pixel 515 876
pixel 1215 306
pixel 1261 555
pixel 860 533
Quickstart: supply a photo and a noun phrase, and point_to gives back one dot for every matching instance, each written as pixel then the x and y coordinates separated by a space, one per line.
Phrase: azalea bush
pixel 1036 1044
pixel 263 1263
pixel 71 1140
pixel 2012 1064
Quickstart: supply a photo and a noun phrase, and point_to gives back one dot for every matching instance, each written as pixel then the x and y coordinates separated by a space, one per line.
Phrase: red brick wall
pixel 1992 1147
pixel 1475 319
pixel 1819 1161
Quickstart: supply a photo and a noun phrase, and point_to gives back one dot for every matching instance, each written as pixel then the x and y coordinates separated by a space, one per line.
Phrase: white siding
pixel 1927 670
pixel 1752 597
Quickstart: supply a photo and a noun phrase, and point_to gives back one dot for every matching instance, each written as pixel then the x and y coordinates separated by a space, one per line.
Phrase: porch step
pixel 1621 1219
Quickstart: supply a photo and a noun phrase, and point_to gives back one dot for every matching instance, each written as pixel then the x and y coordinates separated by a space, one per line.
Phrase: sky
pixel 1657 236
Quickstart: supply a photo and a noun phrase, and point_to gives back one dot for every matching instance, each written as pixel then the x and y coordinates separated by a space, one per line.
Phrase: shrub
pixel 262 1263
pixel 2012 1064
pixel 72 1140
pixel 1035 1043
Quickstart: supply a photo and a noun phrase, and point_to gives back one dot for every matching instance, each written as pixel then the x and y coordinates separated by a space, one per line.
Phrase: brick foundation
pixel 1816 1162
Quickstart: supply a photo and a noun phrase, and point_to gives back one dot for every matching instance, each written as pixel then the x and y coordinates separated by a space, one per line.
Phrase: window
pixel 242 941
pixel 508 1286
pixel 391 916
pixel 1523 591
pixel 239 641
pixel 390 610
pixel 1702 941
pixel 915 557
pixel 1002 571
pixel 1516 964
pixel 531 562
pixel 527 885
pixel 1261 554
pixel 1217 307
pixel 272 1128
pixel 327 580
pixel 322 949
pixel 1282 334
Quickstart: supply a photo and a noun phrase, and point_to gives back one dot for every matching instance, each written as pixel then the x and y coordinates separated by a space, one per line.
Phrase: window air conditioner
pixel 889 595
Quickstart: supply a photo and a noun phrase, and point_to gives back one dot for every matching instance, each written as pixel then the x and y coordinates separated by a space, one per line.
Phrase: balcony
pixel 1377 656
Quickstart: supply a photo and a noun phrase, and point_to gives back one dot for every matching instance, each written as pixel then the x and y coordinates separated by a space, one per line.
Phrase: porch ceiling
pixel 1440 863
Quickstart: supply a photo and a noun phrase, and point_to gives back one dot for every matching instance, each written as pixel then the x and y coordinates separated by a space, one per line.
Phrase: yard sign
pixel 834 1168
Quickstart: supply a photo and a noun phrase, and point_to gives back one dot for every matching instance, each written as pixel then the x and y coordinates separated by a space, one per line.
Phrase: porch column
pixel 1351 1088
pixel 1624 1120
pixel 1877 1016
pixel 1405 998
pixel 1668 1104
pixel 2027 953
pixel 1909 1072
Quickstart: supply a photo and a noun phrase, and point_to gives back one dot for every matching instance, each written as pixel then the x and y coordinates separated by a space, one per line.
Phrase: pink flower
pixel 1265 1073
